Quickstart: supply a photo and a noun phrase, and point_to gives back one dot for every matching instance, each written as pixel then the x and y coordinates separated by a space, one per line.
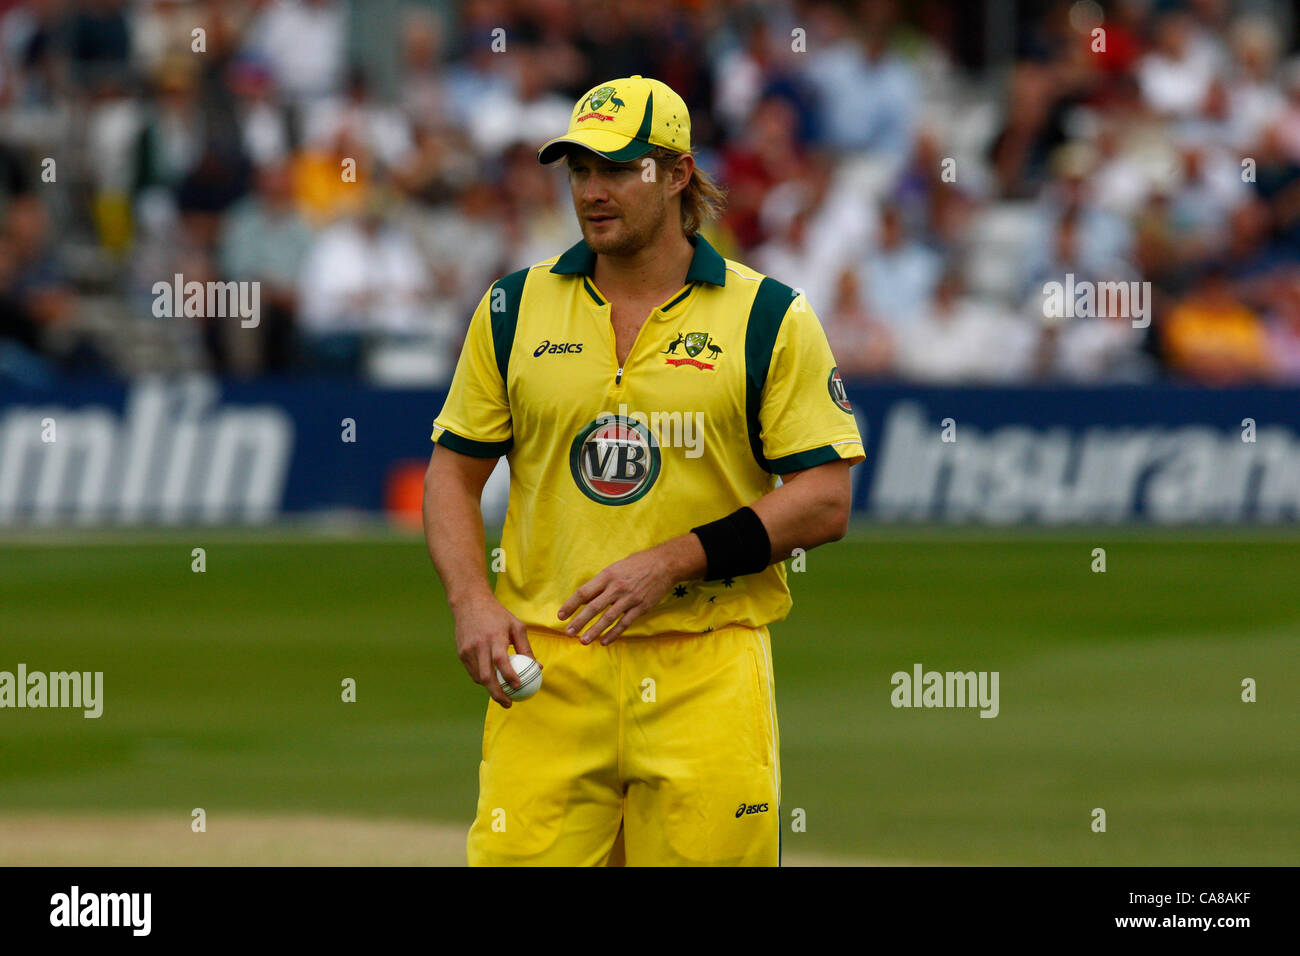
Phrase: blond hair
pixel 703 200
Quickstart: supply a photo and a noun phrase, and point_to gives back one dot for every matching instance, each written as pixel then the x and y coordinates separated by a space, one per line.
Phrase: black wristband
pixel 735 545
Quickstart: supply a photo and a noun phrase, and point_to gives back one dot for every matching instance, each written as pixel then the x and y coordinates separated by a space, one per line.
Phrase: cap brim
pixel 615 147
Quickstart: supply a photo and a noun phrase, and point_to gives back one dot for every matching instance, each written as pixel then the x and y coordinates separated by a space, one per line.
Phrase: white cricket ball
pixel 530 677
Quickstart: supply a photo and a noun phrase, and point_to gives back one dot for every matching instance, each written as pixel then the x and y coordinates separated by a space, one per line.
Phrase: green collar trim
pixel 706 264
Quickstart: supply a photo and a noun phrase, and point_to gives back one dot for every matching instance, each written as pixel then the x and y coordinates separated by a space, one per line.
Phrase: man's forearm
pixel 805 512
pixel 808 511
pixel 453 533
pixel 684 557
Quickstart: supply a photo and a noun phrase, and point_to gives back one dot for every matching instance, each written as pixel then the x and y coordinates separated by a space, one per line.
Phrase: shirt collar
pixel 706 264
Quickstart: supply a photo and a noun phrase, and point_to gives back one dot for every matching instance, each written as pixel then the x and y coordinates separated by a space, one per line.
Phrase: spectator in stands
pixel 99 41
pixel 537 220
pixel 464 244
pixel 958 339
pixel 862 343
pixel 522 110
pixel 621 41
pixel 1254 100
pixel 867 94
pixel 742 75
pixel 478 74
pixel 766 154
pixel 159 30
pixel 441 164
pixel 1284 329
pixel 1064 256
pixel 1118 180
pixel 1158 252
pixel 36 298
pixel 1212 338
pixel 174 131
pixel 29 44
pixel 940 206
pixel 1177 73
pixel 384 131
pixel 265 240
pixel 220 178
pixel 1277 182
pixel 1287 125
pixel 1123 31
pixel 1054 70
pixel 20 331
pixel 761 64
pixel 818 228
pixel 423 95
pixel 1251 260
pixel 1101 239
pixel 38 276
pixel 305 42
pixel 788 254
pixel 332 177
pixel 899 275
pixel 1208 190
pixel 263 125
pixel 1094 344
pixel 363 280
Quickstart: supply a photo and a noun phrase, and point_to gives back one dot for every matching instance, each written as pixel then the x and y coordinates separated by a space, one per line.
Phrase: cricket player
pixel 675 428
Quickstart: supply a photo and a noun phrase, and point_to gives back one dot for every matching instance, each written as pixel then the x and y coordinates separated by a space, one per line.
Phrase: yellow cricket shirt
pixel 729 383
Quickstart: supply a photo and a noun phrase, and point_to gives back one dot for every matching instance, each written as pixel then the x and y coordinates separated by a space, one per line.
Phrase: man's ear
pixel 683 169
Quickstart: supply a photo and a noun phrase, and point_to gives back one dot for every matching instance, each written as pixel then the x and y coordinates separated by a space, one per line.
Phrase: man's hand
pixel 484 631
pixel 627 589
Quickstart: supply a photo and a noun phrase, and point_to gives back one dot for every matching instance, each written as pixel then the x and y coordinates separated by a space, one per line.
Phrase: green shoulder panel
pixel 765 316
pixel 506 319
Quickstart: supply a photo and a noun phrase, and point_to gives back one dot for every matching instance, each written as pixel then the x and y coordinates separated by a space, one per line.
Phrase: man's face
pixel 619 212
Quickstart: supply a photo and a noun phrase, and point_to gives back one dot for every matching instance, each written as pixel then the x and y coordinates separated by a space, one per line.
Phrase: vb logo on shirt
pixel 614 460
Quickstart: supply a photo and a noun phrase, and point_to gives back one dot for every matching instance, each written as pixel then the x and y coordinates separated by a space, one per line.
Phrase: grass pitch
pixel 1119 690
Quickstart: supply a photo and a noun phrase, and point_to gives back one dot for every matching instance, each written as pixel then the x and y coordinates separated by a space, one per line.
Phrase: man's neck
pixel 660 267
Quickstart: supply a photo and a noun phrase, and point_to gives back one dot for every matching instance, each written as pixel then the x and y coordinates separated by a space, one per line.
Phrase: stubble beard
pixel 630 239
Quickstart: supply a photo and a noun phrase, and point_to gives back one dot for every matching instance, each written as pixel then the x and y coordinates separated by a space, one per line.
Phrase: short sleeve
pixel 805 418
pixel 475 419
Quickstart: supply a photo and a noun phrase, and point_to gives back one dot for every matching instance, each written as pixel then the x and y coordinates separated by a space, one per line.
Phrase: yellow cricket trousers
pixel 660 751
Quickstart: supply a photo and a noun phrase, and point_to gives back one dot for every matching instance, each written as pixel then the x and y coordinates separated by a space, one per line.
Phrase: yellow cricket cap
pixel 625 119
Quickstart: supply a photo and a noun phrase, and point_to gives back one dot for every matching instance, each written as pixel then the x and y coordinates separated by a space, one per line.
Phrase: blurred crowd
pixel 372 164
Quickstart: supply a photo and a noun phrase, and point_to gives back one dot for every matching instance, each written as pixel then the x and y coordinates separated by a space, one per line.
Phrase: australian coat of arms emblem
pixel 693 343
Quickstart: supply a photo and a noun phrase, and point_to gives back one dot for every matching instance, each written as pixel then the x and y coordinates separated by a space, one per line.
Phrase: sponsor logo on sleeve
pixel 835 385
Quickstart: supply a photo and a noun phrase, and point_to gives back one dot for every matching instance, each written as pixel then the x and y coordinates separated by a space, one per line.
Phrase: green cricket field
pixel 1120 699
